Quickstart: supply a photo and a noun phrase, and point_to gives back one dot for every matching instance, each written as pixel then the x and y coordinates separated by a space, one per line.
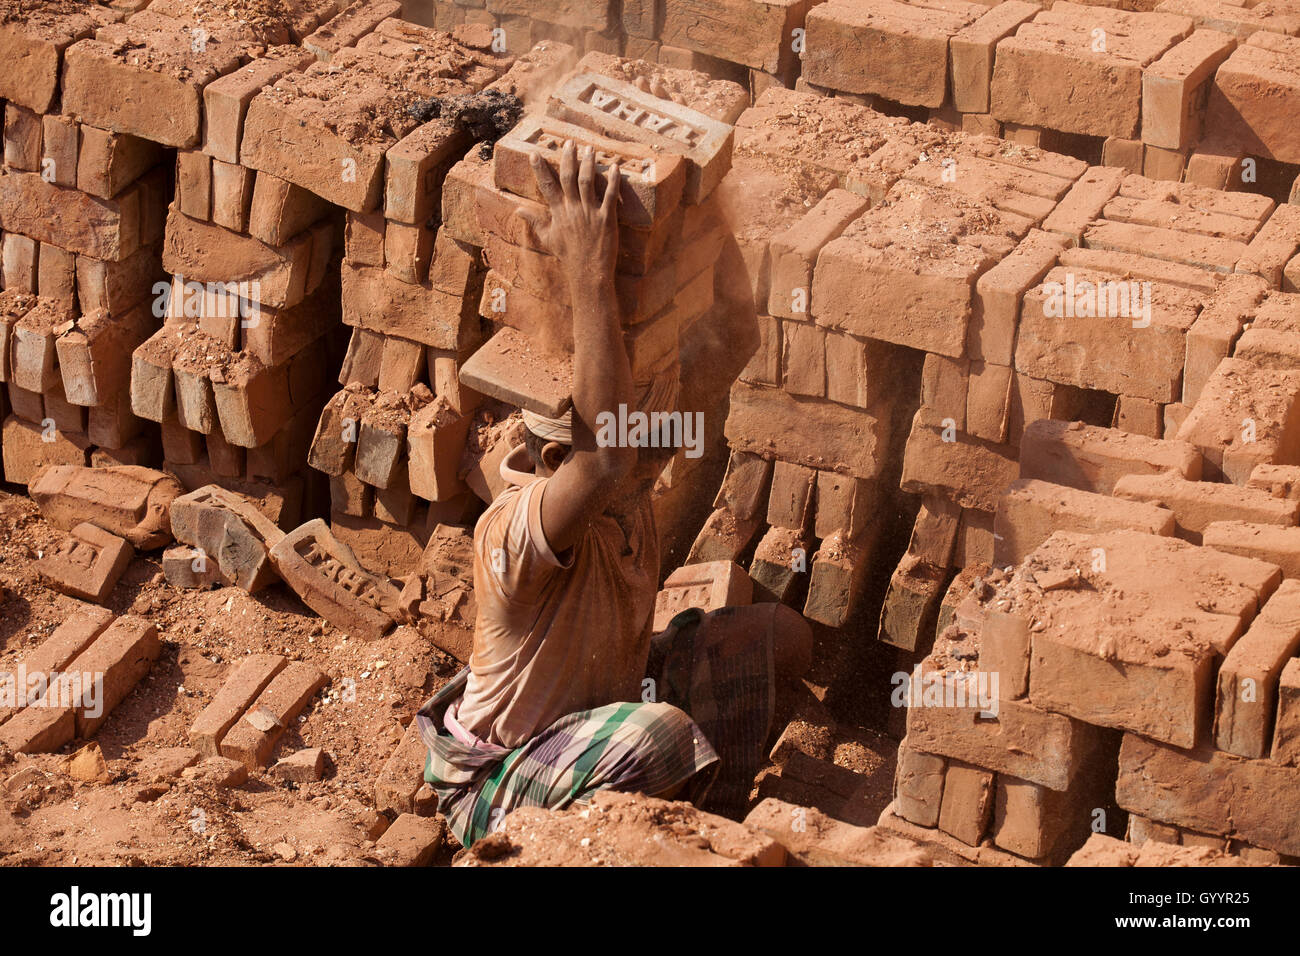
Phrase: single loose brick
pixel 128 501
pixel 87 564
pixel 326 575
pixel 402 774
pixel 412 840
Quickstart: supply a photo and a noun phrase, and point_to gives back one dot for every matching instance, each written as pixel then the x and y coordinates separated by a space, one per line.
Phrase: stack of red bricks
pixel 889 259
pixel 1189 88
pixel 811 425
pixel 1085 649
pixel 754 43
pixel 403 284
pixel 82 205
pixel 285 143
pixel 90 180
pixel 1199 263
pixel 1141 446
pixel 864 235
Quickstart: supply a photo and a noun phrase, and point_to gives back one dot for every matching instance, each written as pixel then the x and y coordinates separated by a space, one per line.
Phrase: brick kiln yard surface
pixel 143 809
pixel 853 261
pixel 50 817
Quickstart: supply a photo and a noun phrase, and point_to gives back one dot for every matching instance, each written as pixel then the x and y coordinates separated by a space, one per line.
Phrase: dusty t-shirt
pixel 555 634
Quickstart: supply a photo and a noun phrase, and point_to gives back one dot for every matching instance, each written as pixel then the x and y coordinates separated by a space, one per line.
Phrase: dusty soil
pixel 48 817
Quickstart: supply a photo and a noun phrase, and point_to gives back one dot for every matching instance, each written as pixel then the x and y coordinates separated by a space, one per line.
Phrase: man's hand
pixel 582 229
pixel 582 233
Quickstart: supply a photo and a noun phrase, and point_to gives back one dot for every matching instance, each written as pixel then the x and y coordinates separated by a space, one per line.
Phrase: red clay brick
pixel 252 740
pixel 246 680
pixel 1030 511
pixel 327 576
pixel 87 564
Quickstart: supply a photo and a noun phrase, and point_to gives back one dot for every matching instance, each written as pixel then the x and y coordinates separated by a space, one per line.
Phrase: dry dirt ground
pixel 47 817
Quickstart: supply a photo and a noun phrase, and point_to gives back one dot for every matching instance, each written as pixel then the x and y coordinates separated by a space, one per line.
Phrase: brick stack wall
pixel 274 269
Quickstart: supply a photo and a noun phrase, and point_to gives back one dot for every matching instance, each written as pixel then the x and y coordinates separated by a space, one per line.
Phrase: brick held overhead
pixel 512 368
pixel 652 182
pixel 723 100
pixel 622 111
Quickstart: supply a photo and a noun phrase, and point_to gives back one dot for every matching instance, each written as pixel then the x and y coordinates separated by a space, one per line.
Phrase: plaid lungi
pixel 648 747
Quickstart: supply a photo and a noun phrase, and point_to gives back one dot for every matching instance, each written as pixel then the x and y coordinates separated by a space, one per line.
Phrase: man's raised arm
pixel 582 233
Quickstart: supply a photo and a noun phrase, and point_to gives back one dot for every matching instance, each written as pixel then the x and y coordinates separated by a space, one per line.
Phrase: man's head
pixel 548 440
pixel 546 454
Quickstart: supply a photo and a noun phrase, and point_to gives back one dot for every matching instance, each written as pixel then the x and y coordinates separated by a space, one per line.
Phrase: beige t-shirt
pixel 555 635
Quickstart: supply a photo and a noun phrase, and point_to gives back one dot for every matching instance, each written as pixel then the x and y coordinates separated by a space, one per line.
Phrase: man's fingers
pixel 546 182
pixel 534 221
pixel 569 170
pixel 609 205
pixel 587 178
